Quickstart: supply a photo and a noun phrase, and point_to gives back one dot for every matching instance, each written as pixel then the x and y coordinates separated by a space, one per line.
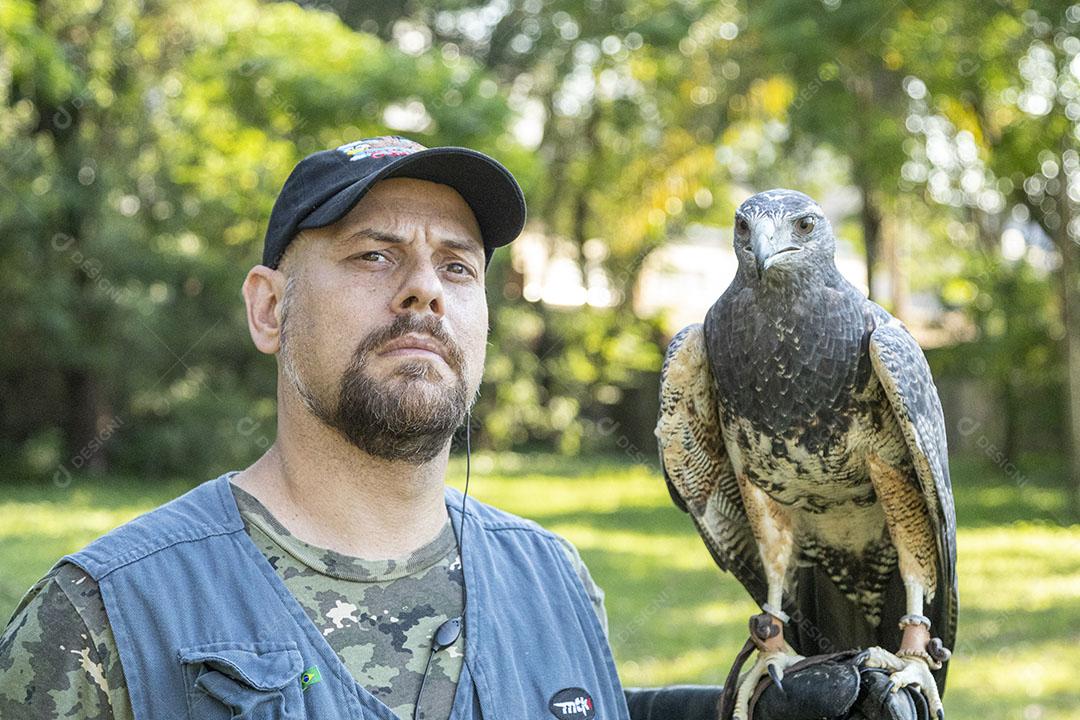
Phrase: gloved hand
pixel 832 686
pixel 674 702
pixel 836 686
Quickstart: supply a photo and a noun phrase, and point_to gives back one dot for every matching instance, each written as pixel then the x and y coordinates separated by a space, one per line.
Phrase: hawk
pixel 801 430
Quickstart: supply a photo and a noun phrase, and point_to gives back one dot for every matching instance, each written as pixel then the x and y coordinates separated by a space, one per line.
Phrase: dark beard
pixel 398 418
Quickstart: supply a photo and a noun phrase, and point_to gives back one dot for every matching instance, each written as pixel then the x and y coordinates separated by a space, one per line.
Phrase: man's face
pixel 384 319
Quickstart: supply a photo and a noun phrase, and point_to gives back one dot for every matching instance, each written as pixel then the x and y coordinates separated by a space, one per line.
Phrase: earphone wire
pixel 464 497
pixel 461 558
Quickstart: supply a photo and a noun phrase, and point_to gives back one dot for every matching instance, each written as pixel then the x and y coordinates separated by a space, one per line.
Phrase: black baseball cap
pixel 323 187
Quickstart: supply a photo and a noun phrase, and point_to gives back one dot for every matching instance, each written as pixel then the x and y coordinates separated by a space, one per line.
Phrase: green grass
pixel 674 617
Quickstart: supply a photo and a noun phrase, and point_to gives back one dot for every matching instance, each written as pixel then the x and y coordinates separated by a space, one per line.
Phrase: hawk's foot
pixel 909 669
pixel 773 663
pixel 773 656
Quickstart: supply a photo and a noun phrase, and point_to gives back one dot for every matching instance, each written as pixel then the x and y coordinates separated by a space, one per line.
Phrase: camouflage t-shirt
pixel 58 657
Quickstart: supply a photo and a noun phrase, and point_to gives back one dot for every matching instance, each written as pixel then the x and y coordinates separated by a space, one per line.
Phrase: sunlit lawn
pixel 674 617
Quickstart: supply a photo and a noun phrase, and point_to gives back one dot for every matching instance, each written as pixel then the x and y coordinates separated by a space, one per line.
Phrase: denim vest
pixel 206 629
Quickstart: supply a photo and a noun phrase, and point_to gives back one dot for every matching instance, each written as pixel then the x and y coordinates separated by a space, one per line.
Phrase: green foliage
pixel 554 374
pixel 142 154
pixel 142 144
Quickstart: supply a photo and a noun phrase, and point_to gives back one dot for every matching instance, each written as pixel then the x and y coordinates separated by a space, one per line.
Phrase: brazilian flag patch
pixel 310 677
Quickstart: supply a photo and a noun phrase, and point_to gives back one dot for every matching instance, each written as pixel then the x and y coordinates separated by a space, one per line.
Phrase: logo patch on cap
pixel 380 147
pixel 572 703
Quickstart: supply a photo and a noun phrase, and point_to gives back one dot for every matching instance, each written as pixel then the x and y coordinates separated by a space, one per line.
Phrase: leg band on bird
pixel 777 613
pixel 914 619
pixel 914 644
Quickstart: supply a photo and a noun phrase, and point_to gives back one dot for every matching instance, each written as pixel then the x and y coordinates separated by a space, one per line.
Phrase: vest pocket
pixel 243 681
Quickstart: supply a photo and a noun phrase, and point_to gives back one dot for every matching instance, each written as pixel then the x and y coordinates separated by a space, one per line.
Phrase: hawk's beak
pixel 767 251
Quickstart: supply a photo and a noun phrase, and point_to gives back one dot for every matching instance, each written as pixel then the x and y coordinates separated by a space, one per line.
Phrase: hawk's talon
pixel 771 663
pixel 777 677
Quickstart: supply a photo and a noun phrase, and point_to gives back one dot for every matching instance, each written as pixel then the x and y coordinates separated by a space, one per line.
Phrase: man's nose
pixel 421 291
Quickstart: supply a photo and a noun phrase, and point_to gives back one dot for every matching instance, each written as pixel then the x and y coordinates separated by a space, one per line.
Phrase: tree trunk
pixel 891 236
pixel 871 227
pixel 86 419
pixel 86 410
pixel 1009 421
pixel 1070 302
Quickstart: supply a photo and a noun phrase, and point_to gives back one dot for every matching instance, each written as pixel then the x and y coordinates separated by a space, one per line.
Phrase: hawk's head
pixel 782 235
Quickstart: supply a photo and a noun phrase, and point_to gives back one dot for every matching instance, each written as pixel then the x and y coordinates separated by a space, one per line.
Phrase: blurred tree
pixel 847 93
pixel 145 140
pixel 144 145
pixel 1004 92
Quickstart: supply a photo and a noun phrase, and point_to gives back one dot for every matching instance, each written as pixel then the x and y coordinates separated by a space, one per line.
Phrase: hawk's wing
pixel 696 467
pixel 904 374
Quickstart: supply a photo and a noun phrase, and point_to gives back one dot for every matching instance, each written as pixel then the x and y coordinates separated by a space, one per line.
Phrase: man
pixel 337 576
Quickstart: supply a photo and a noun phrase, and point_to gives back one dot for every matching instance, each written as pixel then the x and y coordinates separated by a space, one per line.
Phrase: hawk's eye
pixel 741 226
pixel 804 225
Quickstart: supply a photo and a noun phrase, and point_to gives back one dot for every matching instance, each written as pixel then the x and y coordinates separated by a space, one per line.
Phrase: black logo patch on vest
pixel 572 703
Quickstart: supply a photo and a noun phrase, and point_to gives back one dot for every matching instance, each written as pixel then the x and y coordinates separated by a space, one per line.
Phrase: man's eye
pixel 371 256
pixel 459 268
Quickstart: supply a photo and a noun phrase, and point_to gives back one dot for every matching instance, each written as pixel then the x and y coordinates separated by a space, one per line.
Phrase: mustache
pixel 414 325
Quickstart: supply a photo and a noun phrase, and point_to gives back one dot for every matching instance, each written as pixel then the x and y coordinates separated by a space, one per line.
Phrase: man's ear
pixel 264 289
